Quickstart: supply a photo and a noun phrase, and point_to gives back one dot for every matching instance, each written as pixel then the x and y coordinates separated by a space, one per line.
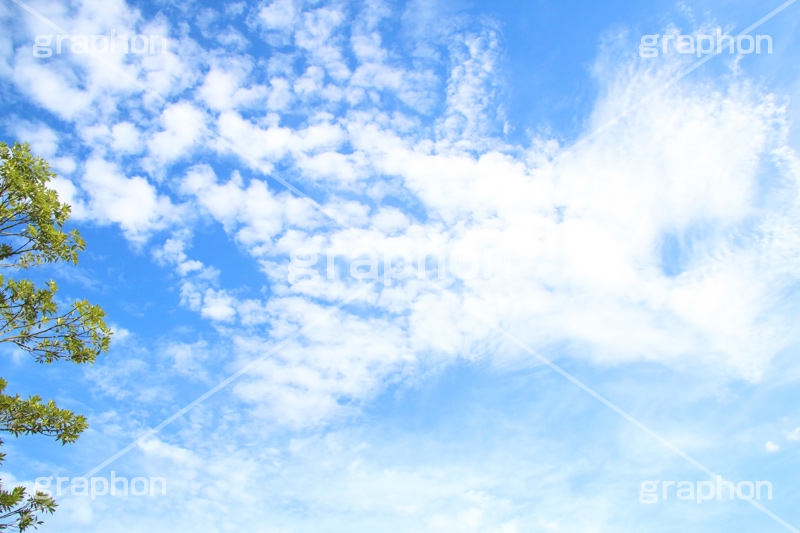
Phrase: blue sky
pixel 265 201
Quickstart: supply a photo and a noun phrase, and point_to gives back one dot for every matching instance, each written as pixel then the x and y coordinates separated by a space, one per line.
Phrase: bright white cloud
pixel 41 138
pixel 133 202
pixel 182 126
pixel 125 137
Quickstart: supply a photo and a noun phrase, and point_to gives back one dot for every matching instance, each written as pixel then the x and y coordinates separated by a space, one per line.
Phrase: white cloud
pixel 118 380
pixel 473 109
pixel 218 88
pixel 52 88
pixel 390 220
pixel 340 357
pixel 133 202
pixel 272 143
pixel 218 306
pixel 189 359
pixel 310 82
pixel 182 126
pixel 226 88
pixel 280 94
pixel 125 138
pixel 42 139
pixel 172 252
pixel 576 246
pixel 63 165
pixel 278 15
pixel 254 213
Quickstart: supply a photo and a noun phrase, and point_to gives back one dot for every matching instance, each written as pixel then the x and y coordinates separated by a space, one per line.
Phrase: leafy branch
pixel 31 234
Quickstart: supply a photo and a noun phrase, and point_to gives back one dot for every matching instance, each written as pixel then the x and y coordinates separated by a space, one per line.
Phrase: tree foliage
pixel 31 234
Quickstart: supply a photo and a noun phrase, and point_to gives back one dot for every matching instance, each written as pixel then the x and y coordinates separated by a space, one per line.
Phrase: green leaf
pixel 31 234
